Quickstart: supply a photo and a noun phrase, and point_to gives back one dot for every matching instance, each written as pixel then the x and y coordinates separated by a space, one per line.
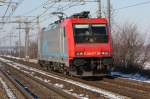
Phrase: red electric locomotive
pixel 78 45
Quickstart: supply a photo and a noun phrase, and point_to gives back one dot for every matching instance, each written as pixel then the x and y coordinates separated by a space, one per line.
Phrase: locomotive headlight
pixel 98 53
pixel 79 53
pixel 103 53
pixel 106 53
pixel 85 53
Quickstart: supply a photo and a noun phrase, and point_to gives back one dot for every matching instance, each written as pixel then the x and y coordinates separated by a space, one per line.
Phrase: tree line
pixel 131 50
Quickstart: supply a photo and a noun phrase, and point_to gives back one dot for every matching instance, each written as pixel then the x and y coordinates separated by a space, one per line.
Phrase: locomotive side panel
pixel 53 46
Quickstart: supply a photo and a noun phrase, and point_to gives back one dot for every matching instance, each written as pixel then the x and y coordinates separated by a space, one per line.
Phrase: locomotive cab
pixel 91 46
pixel 93 52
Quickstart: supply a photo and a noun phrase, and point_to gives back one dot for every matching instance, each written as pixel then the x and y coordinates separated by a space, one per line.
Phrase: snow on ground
pixel 33 60
pixel 13 57
pixel 7 90
pixel 61 86
pixel 30 60
pixel 106 93
pixel 147 65
pixel 136 77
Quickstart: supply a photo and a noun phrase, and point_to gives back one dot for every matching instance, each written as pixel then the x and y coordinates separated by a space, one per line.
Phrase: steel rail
pixel 26 94
pixel 50 87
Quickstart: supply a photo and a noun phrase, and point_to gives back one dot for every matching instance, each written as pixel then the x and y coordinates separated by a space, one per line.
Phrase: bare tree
pixel 146 53
pixel 128 46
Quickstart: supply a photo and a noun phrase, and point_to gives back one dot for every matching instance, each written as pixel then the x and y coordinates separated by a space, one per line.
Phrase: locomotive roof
pixel 76 20
pixel 86 20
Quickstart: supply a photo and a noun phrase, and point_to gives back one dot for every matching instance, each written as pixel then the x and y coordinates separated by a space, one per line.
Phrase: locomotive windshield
pixel 90 33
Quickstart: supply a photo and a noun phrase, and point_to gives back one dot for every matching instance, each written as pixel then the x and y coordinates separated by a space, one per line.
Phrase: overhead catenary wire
pixel 6 18
pixel 40 15
pixel 17 5
pixel 11 13
pixel 133 5
pixel 7 9
pixel 41 5
pixel 36 8
pixel 64 8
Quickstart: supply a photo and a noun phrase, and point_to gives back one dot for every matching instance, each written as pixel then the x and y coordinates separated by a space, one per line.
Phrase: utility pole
pixel 99 12
pixel 11 34
pixel 109 12
pixel 19 39
pixel 27 30
pixel 38 38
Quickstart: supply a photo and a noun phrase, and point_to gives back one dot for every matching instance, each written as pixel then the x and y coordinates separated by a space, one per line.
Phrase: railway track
pixel 32 88
pixel 36 88
pixel 123 89
pixel 4 89
pixel 80 90
pixel 132 89
pixel 11 89
pixel 128 83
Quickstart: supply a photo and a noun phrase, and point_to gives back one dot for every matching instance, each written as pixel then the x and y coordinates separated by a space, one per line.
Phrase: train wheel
pixel 40 63
pixel 65 72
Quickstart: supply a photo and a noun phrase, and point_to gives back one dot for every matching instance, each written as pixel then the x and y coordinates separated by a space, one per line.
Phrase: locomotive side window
pixel 90 33
pixel 64 32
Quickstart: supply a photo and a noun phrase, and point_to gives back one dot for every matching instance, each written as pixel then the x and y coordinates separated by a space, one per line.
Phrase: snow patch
pixel 136 77
pixel 8 91
pixel 147 66
pixel 44 80
pixel 59 85
pixel 18 58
